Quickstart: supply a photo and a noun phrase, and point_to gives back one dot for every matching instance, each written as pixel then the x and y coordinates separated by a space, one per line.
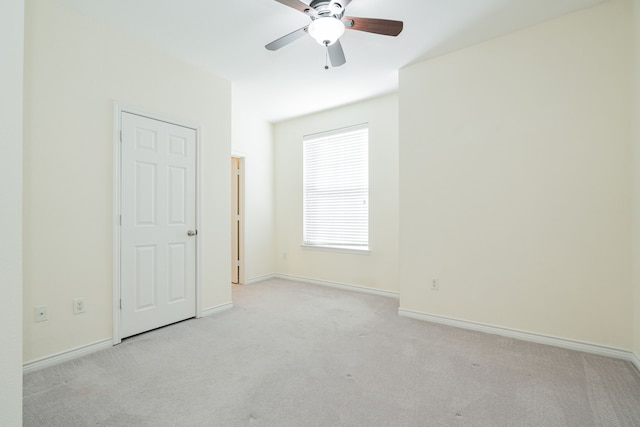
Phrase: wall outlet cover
pixel 79 306
pixel 41 313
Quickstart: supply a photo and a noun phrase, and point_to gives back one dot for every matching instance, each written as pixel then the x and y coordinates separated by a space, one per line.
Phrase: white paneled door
pixel 158 224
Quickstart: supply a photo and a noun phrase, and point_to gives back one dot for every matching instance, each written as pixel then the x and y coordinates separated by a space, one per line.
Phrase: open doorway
pixel 236 220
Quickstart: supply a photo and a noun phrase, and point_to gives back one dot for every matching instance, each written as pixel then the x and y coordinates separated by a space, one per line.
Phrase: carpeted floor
pixel 291 354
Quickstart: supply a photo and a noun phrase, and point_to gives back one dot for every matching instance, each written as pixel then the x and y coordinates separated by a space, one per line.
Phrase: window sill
pixel 339 249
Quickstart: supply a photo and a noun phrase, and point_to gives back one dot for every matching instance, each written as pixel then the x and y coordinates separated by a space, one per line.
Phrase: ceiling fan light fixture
pixel 326 30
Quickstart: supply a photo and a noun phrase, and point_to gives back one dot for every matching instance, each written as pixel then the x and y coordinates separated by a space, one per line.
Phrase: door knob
pixel 192 233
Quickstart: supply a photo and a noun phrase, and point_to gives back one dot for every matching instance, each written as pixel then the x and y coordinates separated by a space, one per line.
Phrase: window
pixel 336 188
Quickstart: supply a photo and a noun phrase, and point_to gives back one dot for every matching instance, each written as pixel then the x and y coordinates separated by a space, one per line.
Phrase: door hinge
pixel 237 217
pixel 238 172
pixel 237 263
pixel 120 219
pixel 120 304
pixel 120 136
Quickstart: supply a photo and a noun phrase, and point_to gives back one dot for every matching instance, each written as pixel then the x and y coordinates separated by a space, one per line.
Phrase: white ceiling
pixel 228 38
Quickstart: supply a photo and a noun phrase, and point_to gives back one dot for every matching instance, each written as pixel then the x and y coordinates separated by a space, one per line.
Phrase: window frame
pixel 335 136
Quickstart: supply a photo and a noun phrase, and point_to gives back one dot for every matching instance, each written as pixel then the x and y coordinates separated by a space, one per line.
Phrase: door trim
pixel 118 109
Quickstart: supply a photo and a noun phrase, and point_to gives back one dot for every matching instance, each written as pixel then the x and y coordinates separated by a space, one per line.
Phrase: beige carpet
pixel 291 354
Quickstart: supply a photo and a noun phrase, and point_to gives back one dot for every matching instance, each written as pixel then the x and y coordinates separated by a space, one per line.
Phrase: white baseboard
pixel 217 309
pixel 74 353
pixel 525 336
pixel 635 360
pixel 343 286
pixel 258 279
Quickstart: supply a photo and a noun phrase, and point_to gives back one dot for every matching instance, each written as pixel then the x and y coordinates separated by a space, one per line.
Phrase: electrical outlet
pixel 40 314
pixel 79 306
pixel 435 284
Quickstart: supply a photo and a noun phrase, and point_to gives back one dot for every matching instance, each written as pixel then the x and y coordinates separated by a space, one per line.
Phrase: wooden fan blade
pixel 336 54
pixel 386 27
pixel 296 4
pixel 285 40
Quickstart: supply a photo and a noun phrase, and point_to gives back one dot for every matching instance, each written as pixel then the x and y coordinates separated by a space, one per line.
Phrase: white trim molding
pixel 217 309
pixel 343 286
pixel 115 223
pixel 635 360
pixel 259 279
pixel 338 249
pixel 524 336
pixel 65 356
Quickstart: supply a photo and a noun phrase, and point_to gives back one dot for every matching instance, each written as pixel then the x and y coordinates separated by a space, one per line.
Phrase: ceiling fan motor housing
pixel 327 8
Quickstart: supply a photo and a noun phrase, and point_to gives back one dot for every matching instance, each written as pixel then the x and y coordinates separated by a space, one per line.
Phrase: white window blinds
pixel 336 188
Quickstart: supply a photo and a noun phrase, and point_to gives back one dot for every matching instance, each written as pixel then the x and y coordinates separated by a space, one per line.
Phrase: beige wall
pixel 515 180
pixel 253 138
pixel 636 178
pixel 74 70
pixel 11 52
pixel 379 269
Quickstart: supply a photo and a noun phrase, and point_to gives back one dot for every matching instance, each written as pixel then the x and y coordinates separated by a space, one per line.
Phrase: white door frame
pixel 118 109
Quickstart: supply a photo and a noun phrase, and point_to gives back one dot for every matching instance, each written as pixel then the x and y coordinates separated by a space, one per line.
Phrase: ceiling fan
pixel 328 24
